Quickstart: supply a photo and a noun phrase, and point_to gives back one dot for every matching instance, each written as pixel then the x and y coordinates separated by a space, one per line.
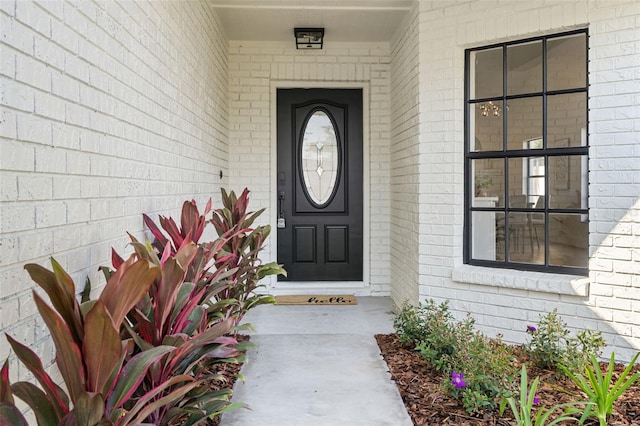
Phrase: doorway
pixel 320 184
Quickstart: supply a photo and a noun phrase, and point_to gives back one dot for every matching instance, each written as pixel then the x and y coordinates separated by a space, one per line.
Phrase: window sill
pixel 522 280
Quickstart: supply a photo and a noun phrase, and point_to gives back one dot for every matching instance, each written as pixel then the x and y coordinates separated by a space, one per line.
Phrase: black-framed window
pixel 526 154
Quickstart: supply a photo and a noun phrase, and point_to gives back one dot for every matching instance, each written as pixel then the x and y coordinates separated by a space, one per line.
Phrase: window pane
pixel 569 240
pixel 486 67
pixel 518 182
pixel 567 182
pixel 524 68
pixel 566 119
pixel 487 129
pixel 500 236
pixel 524 246
pixel 488 182
pixel 524 121
pixel 485 235
pixel 567 62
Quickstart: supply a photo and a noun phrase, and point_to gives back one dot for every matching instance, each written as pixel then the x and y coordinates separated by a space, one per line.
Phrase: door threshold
pixel 357 288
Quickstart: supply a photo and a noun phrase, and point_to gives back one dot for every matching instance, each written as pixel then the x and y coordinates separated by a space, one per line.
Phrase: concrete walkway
pixel 318 366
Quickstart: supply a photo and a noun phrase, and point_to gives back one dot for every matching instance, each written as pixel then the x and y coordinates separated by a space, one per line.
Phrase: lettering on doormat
pixel 320 299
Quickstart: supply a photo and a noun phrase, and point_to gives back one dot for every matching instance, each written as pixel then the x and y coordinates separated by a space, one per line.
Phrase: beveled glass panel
pixel 566 119
pixel 567 182
pixel 569 240
pixel 319 158
pixel 488 182
pixel 487 126
pixel 524 122
pixel 524 68
pixel 567 62
pixel 487 73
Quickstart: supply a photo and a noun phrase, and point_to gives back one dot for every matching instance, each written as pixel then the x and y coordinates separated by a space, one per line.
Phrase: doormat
pixel 317 299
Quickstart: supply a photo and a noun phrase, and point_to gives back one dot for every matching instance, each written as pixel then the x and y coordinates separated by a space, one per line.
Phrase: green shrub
pixel 426 325
pixel 477 370
pixel 551 346
pixel 488 369
pixel 446 338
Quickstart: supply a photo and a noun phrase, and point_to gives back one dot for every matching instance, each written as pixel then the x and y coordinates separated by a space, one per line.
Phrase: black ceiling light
pixel 309 38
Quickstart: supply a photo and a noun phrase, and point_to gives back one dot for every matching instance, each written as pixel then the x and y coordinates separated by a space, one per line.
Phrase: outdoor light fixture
pixel 309 38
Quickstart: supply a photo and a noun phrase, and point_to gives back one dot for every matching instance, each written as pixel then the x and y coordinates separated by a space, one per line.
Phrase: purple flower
pixel 536 400
pixel 531 329
pixel 457 380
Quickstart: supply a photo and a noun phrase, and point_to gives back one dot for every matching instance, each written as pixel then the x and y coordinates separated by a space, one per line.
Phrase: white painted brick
pixel 9 312
pixel 161 110
pixel 32 187
pixel 8 63
pixel 50 214
pixel 33 72
pixel 16 34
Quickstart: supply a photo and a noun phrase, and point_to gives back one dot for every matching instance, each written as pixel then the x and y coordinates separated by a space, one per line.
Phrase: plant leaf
pixel 172 277
pixel 38 401
pixel 157 233
pixel 89 409
pixel 34 365
pixel 5 385
pixel 132 374
pixel 126 287
pixel 142 409
pixel 209 335
pixel 68 354
pixel 61 291
pixel 11 416
pixel 102 348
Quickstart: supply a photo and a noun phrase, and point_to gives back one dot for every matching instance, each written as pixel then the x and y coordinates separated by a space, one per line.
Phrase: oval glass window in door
pixel 319 158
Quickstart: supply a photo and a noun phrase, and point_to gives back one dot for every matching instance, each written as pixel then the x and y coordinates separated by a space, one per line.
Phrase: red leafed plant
pixel 243 244
pixel 144 351
pixel 89 352
pixel 173 313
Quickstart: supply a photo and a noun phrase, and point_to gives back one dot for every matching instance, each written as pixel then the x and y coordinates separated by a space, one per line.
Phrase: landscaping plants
pixel 600 389
pixel 522 408
pixel 551 347
pixel 242 247
pixel 89 352
pixel 146 350
pixel 445 393
pixel 477 370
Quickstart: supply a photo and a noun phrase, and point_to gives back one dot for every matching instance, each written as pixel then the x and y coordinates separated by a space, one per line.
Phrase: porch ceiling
pixel 343 20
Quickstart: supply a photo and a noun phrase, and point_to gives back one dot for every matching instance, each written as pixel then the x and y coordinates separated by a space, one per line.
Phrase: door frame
pixel 359 288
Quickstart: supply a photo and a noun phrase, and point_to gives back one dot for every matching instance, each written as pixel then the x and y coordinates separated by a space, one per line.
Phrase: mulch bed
pixel 427 404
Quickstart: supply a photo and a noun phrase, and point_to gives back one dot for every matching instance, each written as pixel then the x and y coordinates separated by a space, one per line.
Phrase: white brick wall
pixel 498 299
pixel 109 110
pixel 253 68
pixel 404 147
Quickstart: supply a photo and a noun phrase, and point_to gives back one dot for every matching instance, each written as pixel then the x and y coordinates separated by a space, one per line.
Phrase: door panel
pixel 320 184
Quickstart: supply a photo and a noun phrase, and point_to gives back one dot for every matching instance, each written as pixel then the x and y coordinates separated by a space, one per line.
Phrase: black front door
pixel 320 184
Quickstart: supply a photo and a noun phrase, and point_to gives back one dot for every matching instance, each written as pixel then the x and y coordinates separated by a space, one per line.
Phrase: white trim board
pixel 273 285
